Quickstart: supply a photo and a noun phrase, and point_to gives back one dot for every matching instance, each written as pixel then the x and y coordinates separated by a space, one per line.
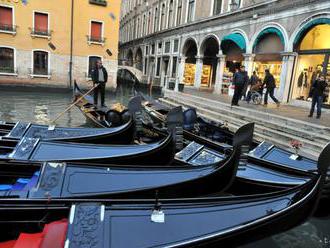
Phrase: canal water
pixel 40 105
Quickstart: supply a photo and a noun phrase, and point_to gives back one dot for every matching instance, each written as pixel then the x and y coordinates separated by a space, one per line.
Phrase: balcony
pixel 8 71
pixel 9 29
pixel 95 40
pixel 38 33
pixel 98 2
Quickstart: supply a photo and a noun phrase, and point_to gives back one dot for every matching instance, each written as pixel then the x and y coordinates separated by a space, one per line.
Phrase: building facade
pixel 55 42
pixel 200 43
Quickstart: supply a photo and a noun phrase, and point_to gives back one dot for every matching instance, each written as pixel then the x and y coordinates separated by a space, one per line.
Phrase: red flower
pixel 296 144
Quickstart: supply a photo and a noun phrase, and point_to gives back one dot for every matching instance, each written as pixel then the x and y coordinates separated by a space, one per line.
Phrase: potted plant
pixel 171 85
pixel 181 87
pixel 296 145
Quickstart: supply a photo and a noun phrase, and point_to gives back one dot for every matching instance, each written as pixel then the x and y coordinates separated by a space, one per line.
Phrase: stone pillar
pixel 288 60
pixel 219 74
pixel 180 72
pixel 248 63
pixel 199 72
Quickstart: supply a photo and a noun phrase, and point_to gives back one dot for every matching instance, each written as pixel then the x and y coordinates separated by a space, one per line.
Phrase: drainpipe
pixel 71 44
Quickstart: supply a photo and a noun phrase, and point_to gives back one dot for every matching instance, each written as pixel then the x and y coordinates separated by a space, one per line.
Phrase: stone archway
pixel 189 51
pixel 138 59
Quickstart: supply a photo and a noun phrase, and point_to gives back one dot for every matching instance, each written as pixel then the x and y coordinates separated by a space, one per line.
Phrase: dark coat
pixel 95 75
pixel 269 81
pixel 240 78
pixel 319 87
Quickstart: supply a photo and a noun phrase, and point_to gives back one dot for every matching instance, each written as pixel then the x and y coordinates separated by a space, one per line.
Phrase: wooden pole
pixel 73 104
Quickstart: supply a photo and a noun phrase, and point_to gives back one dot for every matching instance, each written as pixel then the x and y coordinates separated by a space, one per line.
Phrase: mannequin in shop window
pixel 316 73
pixel 318 89
pixel 302 84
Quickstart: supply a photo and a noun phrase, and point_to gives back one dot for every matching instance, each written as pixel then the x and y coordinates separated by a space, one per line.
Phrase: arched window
pixel 170 14
pixel 162 17
pixel 156 20
pixel 92 64
pixel 7 60
pixel 179 13
pixel 40 63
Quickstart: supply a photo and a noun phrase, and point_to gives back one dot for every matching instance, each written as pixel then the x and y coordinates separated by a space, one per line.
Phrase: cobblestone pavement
pixel 285 110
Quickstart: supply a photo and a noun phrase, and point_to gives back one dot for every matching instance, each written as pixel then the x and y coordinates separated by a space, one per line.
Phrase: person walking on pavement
pixel 317 91
pixel 269 81
pixel 240 79
pixel 100 78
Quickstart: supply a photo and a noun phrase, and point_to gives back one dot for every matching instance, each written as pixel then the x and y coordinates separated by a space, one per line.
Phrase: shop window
pixel 7 60
pixel 6 19
pixel 174 66
pixel 167 47
pixel 40 63
pixel 191 9
pixel 176 46
pixel 189 74
pixel 217 7
pixel 40 24
pixel 158 67
pixel 92 64
pixel 317 38
pixel 96 31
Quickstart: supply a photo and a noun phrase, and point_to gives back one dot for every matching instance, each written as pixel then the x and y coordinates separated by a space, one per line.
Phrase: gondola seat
pixel 53 236
pixel 22 183
pixel 189 119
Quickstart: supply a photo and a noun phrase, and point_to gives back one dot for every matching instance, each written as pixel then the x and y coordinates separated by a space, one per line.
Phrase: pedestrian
pixel 240 79
pixel 100 78
pixel 254 78
pixel 255 88
pixel 269 81
pixel 317 91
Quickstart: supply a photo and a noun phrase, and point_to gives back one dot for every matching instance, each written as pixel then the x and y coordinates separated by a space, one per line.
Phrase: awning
pixel 237 38
pixel 267 31
pixel 308 26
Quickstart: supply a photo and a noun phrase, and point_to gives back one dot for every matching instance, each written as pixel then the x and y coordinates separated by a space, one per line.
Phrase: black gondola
pixel 122 134
pixel 218 219
pixel 61 180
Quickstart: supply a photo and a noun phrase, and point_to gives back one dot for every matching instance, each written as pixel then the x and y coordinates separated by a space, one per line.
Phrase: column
pixel 288 60
pixel 248 63
pixel 180 72
pixel 219 75
pixel 199 72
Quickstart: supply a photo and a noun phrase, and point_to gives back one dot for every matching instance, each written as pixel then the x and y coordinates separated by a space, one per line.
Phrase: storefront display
pixel 313 61
pixel 189 74
pixel 274 68
pixel 206 76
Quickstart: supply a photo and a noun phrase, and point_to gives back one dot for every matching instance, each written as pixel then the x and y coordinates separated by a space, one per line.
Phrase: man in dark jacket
pixel 269 81
pixel 239 81
pixel 318 89
pixel 100 78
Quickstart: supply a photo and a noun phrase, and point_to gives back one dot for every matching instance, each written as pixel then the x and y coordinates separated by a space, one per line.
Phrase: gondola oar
pixel 52 127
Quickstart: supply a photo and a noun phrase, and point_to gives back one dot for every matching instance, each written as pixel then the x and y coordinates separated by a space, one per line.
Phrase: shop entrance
pixel 313 60
pixel 190 52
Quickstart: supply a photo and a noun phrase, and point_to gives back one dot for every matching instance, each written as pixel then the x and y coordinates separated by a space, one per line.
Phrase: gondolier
pixel 100 78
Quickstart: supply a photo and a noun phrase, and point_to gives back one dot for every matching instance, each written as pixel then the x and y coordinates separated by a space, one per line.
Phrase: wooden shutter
pixel 96 30
pixel 41 22
pixel 6 16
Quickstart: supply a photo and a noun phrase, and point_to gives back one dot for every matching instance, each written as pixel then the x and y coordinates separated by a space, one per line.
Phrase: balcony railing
pixel 95 40
pixel 98 2
pixel 41 33
pixel 40 73
pixel 6 28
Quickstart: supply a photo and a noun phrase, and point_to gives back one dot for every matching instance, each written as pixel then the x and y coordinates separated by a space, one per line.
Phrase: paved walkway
pixel 284 110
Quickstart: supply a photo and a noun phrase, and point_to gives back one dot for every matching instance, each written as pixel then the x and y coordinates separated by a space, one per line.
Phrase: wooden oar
pixel 52 127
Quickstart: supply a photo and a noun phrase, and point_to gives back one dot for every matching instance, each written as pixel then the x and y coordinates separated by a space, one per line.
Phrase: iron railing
pixel 5 69
pixel 98 2
pixel 8 27
pixel 41 32
pixel 95 39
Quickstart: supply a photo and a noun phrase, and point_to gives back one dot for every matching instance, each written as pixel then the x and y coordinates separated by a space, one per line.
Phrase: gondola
pixel 122 134
pixel 218 219
pixel 63 180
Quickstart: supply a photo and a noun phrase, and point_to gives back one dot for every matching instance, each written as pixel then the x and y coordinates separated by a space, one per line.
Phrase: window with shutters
pixel 40 25
pixel 7 20
pixel 96 33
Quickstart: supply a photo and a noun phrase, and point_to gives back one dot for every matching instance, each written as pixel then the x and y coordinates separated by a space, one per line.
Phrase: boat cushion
pixel 54 234
pixel 29 240
pixel 4 187
pixel 8 244
pixel 20 184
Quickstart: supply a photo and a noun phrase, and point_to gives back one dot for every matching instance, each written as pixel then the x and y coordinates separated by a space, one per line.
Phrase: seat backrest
pixel 189 118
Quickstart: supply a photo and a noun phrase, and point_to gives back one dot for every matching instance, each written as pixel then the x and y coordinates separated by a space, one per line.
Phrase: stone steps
pixel 276 129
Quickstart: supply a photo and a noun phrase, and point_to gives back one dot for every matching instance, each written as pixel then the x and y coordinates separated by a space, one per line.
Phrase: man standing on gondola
pixel 100 78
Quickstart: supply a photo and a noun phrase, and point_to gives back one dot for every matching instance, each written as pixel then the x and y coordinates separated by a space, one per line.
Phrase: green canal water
pixel 41 105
